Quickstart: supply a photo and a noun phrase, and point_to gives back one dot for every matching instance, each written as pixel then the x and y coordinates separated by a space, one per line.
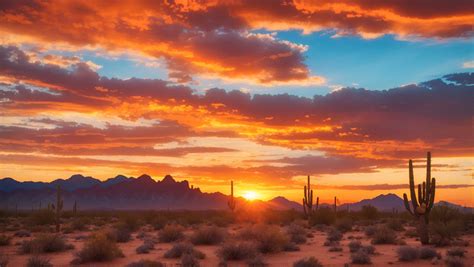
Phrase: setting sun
pixel 250 195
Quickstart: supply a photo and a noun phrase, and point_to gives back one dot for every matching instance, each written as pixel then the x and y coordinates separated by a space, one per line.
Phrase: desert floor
pixel 385 254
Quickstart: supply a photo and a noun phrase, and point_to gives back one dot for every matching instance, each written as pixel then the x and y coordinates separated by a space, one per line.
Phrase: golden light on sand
pixel 250 195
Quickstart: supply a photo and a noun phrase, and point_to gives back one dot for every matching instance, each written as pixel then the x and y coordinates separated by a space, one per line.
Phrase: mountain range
pixel 144 193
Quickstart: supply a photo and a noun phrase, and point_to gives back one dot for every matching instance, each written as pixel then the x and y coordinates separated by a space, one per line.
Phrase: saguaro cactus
pixel 308 200
pixel 335 204
pixel 58 208
pixel 231 202
pixel 422 206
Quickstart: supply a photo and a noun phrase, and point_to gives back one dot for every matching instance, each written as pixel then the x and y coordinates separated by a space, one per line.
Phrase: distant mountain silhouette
pixel 143 193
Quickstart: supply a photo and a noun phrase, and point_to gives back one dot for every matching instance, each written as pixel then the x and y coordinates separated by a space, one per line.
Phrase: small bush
pixel 180 249
pixel 45 243
pixel 369 249
pixel 354 245
pixel 384 235
pixel 442 234
pixel 297 233
pixel 333 235
pixel 5 240
pixel 237 250
pixel 369 212
pixel 454 261
pixel 344 225
pixel 370 230
pixel 38 261
pixel 207 235
pixel 256 262
pixel 324 216
pixel 360 257
pixel 290 246
pixel 335 249
pixel 308 262
pixel 407 253
pixel 268 238
pixel 146 263
pixel 189 260
pixel 171 233
pixel 456 252
pixel 395 225
pixel 98 248
pixel 146 247
pixel 22 233
pixel 427 253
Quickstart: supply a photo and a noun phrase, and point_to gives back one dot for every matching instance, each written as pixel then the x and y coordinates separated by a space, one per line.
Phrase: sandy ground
pixel 385 254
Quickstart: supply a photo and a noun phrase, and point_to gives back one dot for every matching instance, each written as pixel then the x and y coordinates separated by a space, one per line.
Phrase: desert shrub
pixel 5 240
pixel 369 212
pixel 291 246
pixel 180 249
pixel 207 235
pixel 42 217
pixel 98 248
pixel 38 261
pixel 344 224
pixel 237 250
pixel 324 216
pixel 333 235
pixel 407 253
pixel 360 257
pixel 370 230
pixel 456 252
pixel 145 247
pixel 121 233
pixel 189 260
pixel 80 224
pixel 411 233
pixel 354 245
pixel 146 263
pixel 335 249
pixel 130 221
pixel 369 249
pixel 22 233
pixel 171 233
pixel 45 243
pixel 308 262
pixel 384 235
pixel 4 260
pixel 454 261
pixel 427 253
pixel 442 233
pixel 268 238
pixel 395 225
pixel 256 262
pixel 297 233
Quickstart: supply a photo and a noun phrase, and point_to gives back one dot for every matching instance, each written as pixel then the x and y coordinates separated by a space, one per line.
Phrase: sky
pixel 260 92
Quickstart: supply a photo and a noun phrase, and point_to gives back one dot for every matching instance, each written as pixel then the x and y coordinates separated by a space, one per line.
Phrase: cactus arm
pixel 407 204
pixel 425 193
pixel 420 195
pixel 430 204
pixel 412 185
pixel 428 170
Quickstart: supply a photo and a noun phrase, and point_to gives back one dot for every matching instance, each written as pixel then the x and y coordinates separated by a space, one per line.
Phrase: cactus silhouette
pixel 308 200
pixel 422 206
pixel 58 208
pixel 335 204
pixel 74 208
pixel 231 202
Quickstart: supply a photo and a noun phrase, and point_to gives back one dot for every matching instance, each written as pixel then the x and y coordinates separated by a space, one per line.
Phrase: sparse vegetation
pixel 38 261
pixel 360 257
pixel 354 245
pixel 207 235
pixel 427 253
pixel 456 252
pixel 45 243
pixel 308 262
pixel 384 235
pixel 407 253
pixel 98 248
pixel 297 233
pixel 189 260
pixel 146 263
pixel 5 240
pixel 454 261
pixel 181 249
pixel 237 250
pixel 4 259
pixel 268 238
pixel 171 233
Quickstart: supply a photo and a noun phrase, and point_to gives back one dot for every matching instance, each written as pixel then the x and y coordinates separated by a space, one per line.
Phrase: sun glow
pixel 250 195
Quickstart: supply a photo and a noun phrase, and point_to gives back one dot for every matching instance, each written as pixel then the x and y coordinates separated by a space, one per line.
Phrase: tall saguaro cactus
pixel 308 200
pixel 231 202
pixel 58 208
pixel 422 206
